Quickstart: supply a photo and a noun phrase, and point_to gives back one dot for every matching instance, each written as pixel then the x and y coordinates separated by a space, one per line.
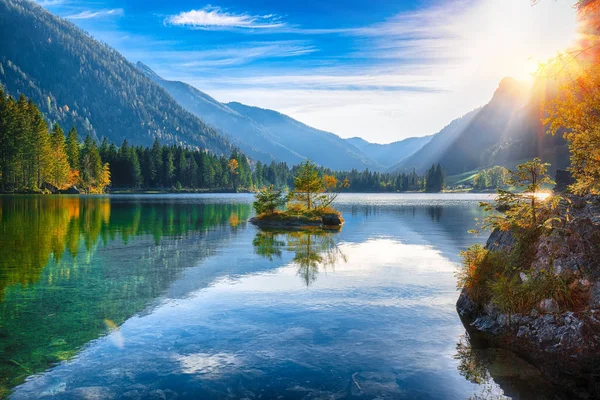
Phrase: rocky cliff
pixel 562 341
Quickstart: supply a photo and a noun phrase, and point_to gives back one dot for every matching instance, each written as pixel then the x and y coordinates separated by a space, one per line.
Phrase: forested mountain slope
pixel 266 134
pixel 240 130
pixel 78 81
pixel 503 132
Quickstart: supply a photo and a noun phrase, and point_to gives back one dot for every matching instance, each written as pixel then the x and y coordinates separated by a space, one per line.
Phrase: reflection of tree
pixel 470 364
pixel 435 213
pixel 32 229
pixel 497 370
pixel 48 245
pixel 267 245
pixel 313 250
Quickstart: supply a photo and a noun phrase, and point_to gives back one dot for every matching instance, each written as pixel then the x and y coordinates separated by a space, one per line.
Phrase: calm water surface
pixel 177 296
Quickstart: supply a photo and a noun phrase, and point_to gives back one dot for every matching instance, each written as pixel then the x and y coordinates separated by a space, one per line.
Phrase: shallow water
pixel 177 296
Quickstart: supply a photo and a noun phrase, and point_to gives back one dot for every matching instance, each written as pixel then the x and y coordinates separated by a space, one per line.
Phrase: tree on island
pixel 268 200
pixel 312 194
pixel 315 192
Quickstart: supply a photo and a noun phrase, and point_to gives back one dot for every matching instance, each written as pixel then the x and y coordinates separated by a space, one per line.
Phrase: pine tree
pixel 59 171
pixel 72 144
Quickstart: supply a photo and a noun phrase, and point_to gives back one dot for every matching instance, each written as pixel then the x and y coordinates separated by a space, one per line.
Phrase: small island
pixel 308 205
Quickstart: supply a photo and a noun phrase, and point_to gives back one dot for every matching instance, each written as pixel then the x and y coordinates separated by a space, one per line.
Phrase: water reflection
pixel 67 274
pixel 177 296
pixel 314 250
pixel 500 373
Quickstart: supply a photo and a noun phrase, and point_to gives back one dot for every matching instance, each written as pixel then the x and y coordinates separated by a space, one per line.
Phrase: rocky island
pixel 535 290
pixel 308 205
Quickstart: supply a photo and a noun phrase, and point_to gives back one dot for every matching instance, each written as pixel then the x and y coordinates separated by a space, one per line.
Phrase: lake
pixel 178 296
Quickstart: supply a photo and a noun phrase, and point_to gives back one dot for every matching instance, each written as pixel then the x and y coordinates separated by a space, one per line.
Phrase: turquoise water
pixel 178 296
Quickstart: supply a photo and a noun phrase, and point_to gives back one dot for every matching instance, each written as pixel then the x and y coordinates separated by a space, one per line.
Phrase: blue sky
pixel 380 69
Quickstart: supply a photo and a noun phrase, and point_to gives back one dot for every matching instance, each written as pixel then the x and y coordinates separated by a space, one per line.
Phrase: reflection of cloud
pixel 116 337
pixel 205 363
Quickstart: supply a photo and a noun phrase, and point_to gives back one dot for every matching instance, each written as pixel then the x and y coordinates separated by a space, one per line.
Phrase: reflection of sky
pixel 381 324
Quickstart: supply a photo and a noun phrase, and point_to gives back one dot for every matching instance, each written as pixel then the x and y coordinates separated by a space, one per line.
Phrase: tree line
pixel 35 157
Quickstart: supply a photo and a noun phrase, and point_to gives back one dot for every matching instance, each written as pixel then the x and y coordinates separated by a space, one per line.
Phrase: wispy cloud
pixel 89 14
pixel 50 3
pixel 216 18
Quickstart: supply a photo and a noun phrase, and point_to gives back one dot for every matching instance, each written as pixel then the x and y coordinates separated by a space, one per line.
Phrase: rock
pixel 332 220
pixel 524 277
pixel 523 331
pixel 549 306
pixel 563 180
pixel 49 187
pixel 594 302
pixel 500 240
pixel 464 305
pixel 71 190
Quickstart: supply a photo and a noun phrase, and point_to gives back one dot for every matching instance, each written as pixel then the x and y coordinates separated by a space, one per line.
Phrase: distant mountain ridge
pixel 76 80
pixel 505 131
pixel 389 155
pixel 263 134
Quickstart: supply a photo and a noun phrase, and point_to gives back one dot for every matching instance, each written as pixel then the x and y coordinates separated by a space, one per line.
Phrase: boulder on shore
pixel 333 220
pixel 563 343
pixel 71 190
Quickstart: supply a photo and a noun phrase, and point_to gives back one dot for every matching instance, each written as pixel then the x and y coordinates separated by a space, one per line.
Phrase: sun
pixel 528 70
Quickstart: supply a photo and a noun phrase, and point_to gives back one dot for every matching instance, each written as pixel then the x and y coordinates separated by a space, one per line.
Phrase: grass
pixel 494 276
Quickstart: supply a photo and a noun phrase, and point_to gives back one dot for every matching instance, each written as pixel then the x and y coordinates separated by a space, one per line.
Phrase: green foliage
pixel 522 209
pixel 435 179
pixel 68 230
pixel 268 200
pixel 480 267
pixel 313 250
pixel 313 191
pixel 492 178
pixel 307 185
pixel 73 148
pixel 78 81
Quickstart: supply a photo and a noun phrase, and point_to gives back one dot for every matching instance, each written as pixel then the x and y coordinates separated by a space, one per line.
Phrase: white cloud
pixel 89 14
pixel 50 3
pixel 215 18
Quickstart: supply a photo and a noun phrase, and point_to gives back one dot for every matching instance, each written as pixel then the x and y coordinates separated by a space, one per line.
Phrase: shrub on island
pixel 308 204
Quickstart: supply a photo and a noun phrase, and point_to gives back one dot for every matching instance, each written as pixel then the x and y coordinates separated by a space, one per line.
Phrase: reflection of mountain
pixel 442 226
pixel 312 249
pixel 61 288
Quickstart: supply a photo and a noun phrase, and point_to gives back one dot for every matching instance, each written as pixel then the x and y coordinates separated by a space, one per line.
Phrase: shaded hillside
pixel 265 135
pixel 388 155
pixel 78 81
pixel 242 131
pixel 504 131
pixel 324 148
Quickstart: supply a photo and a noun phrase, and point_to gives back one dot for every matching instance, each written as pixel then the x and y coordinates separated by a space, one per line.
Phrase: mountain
pixel 75 80
pixel 388 155
pixel 263 134
pixel 505 131
pixel 322 147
